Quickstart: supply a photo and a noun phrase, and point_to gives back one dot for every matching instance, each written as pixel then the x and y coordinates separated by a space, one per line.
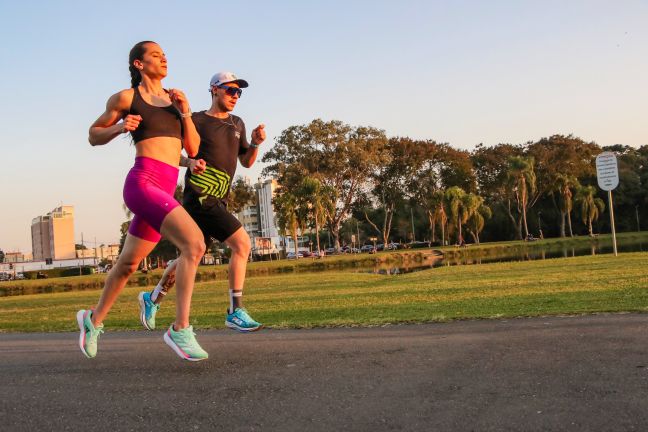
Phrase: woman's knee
pixel 194 249
pixel 125 267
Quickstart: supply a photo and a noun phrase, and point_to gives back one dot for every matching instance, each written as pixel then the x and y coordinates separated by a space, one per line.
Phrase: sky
pixel 462 72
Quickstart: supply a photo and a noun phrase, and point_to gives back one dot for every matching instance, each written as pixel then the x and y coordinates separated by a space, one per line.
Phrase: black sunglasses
pixel 231 91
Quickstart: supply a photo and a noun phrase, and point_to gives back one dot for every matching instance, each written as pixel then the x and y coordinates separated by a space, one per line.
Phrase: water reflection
pixel 536 253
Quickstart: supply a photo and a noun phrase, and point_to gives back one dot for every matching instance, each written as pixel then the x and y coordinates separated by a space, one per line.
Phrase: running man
pixel 207 187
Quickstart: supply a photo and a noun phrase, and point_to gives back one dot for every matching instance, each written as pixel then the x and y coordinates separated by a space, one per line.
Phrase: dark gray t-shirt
pixel 221 143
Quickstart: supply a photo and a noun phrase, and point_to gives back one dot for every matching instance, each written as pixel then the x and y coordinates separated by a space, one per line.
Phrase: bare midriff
pixel 163 149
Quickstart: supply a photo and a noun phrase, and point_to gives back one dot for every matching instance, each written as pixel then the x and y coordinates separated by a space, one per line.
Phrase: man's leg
pixel 149 302
pixel 237 316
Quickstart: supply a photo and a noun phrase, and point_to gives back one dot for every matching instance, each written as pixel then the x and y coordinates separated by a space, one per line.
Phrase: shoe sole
pixel 80 317
pixel 140 297
pixel 177 350
pixel 242 329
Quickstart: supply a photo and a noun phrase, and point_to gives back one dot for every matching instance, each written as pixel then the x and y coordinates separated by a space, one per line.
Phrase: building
pixel 53 235
pixel 14 257
pixel 102 252
pixel 248 216
pixel 265 191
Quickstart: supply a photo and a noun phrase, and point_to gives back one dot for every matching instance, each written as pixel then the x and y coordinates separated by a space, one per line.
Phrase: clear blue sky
pixel 462 72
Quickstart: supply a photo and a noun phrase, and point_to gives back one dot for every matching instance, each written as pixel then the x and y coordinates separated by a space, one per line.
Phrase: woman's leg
pixel 134 251
pixel 182 231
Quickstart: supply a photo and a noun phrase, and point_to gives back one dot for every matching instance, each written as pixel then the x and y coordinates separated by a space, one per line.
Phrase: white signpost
pixel 607 175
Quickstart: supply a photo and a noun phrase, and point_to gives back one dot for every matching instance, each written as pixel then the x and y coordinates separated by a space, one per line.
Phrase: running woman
pixel 207 186
pixel 160 125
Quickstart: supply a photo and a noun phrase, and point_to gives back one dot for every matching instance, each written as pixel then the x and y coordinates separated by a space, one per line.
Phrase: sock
pixel 158 291
pixel 236 300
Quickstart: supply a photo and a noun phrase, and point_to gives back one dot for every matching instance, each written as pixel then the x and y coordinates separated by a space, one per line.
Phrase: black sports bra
pixel 156 121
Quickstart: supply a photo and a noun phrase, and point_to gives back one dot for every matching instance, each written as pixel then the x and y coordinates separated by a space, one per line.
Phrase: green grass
pixel 587 284
pixel 333 262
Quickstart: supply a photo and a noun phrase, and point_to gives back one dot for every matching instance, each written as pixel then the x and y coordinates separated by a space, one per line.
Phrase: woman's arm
pixel 106 127
pixel 190 138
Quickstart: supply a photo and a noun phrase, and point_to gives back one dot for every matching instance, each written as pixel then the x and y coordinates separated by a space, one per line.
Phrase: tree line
pixel 356 179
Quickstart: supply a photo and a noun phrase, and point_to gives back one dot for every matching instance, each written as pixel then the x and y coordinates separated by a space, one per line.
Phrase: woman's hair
pixel 136 53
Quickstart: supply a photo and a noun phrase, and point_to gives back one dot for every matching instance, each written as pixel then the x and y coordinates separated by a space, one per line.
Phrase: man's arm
pixel 258 136
pixel 196 166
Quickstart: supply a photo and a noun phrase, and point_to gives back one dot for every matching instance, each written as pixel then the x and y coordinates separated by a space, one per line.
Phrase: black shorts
pixel 214 220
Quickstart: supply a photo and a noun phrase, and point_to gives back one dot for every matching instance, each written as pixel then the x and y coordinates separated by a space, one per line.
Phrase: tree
pixel 457 214
pixel 241 195
pixel 491 170
pixel 477 213
pixel 2 256
pixel 319 203
pixel 559 162
pixel 522 183
pixel 563 186
pixel 338 155
pixel 591 206
pixel 392 181
pixel 286 208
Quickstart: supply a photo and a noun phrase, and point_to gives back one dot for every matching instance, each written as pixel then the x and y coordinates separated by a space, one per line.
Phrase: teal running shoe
pixel 240 320
pixel 184 343
pixel 148 309
pixel 89 334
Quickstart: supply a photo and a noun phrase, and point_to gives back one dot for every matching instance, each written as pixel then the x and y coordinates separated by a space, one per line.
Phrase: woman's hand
pixel 179 101
pixel 131 122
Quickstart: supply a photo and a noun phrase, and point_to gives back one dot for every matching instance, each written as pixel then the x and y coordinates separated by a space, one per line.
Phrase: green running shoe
pixel 184 343
pixel 89 334
pixel 240 320
pixel 148 309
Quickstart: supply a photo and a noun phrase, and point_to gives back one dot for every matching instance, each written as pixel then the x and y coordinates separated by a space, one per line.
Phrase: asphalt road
pixel 542 374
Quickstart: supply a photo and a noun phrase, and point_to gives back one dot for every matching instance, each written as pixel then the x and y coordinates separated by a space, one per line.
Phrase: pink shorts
pixel 148 193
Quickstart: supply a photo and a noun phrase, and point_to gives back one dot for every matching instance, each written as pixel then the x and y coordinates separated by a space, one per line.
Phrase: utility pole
pixel 82 257
pixel 412 215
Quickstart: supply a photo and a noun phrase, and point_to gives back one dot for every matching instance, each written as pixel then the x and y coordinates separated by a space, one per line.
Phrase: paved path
pixel 541 374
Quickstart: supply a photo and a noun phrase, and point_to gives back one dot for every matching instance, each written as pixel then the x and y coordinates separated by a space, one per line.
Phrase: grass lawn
pixel 586 284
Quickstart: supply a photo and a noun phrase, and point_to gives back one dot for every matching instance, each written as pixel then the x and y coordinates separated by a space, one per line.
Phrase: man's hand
pixel 258 134
pixel 197 166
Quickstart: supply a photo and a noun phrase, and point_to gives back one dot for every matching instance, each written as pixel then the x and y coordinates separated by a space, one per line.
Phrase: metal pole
pixel 412 215
pixel 614 243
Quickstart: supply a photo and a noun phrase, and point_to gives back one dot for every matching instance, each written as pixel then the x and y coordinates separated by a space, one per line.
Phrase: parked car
pixel 366 248
pixel 419 244
pixel 291 255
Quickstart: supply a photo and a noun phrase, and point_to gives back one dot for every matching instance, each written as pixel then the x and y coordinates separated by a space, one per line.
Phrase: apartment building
pixel 53 235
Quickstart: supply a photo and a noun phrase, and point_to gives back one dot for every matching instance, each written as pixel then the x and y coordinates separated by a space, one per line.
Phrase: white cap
pixel 226 78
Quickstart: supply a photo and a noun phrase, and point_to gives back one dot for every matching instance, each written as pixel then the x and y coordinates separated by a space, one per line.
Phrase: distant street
pixel 561 373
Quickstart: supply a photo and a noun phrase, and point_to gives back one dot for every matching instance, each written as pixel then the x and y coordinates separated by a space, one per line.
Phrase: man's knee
pixel 241 245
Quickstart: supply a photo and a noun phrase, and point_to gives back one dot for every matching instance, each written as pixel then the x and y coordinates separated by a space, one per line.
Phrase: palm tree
pixel 286 209
pixel 454 198
pixel 591 206
pixel 436 213
pixel 320 204
pixel 477 215
pixel 564 183
pixel 522 180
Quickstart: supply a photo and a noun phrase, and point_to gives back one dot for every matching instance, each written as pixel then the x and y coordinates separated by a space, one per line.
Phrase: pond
pixel 532 253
